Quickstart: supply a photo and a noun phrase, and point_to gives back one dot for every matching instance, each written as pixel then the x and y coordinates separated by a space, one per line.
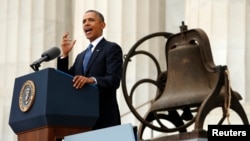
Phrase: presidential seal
pixel 27 96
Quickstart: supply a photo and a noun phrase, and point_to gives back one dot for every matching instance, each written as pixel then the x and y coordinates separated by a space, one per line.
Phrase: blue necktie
pixel 86 57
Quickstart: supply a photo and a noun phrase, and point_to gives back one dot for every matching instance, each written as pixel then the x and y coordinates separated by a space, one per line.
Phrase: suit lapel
pixel 81 71
pixel 95 53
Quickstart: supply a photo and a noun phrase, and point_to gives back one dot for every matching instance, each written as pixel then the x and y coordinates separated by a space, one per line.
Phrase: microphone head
pixel 51 54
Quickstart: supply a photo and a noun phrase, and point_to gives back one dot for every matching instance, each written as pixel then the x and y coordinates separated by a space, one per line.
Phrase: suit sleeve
pixel 113 72
pixel 62 64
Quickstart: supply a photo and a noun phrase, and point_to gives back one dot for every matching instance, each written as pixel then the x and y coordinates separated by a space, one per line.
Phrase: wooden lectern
pixel 46 107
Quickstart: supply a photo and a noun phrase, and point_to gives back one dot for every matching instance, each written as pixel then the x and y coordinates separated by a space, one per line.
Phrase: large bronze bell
pixel 191 75
pixel 193 80
pixel 188 83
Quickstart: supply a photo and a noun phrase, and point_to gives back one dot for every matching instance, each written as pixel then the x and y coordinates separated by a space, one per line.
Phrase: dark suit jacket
pixel 105 65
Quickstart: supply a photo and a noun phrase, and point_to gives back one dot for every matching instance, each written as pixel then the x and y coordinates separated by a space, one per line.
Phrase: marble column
pixel 27 28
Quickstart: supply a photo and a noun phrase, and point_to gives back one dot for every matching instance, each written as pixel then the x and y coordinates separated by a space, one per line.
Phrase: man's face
pixel 92 26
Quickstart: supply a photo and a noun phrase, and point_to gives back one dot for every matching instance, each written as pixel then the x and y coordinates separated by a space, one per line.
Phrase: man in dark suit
pixel 104 68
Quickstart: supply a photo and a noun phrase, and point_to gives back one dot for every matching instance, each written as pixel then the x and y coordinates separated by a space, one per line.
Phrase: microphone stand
pixel 35 65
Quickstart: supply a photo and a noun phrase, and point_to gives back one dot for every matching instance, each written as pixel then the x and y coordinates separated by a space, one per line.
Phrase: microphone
pixel 46 56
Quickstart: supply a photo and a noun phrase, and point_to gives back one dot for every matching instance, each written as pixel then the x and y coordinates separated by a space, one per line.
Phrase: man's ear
pixel 103 25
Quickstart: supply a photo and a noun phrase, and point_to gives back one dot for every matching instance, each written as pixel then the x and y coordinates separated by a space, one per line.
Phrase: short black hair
pixel 97 13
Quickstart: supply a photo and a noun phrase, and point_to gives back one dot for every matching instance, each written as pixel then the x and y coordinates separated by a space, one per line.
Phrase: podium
pixel 46 107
